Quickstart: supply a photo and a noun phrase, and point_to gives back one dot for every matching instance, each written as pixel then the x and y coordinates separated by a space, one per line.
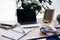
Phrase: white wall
pixel 7 10
pixel 56 5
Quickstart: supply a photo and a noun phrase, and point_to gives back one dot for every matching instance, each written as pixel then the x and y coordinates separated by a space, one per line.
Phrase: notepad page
pixel 15 35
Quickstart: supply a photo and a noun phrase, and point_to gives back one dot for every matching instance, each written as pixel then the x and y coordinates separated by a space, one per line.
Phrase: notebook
pixel 16 33
pixel 27 17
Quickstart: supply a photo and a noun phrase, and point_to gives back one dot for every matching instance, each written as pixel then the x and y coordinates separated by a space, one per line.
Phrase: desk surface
pixel 35 33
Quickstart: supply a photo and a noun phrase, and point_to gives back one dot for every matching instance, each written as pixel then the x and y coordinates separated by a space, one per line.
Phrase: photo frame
pixel 48 16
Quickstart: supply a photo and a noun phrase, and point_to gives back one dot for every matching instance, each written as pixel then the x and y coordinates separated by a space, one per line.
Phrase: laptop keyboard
pixel 24 23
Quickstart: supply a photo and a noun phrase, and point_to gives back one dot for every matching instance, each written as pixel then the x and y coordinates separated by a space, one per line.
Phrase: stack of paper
pixel 15 33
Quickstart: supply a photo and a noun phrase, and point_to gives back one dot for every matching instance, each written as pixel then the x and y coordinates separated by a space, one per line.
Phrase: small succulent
pixel 58 17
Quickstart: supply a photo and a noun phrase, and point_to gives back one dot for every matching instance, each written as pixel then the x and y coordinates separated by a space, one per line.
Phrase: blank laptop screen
pixel 24 15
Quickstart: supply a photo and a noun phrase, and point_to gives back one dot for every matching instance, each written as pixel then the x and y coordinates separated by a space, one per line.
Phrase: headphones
pixel 45 30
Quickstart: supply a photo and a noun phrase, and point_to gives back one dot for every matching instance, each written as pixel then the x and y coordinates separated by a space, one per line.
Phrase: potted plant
pixel 58 18
pixel 34 4
pixel 31 5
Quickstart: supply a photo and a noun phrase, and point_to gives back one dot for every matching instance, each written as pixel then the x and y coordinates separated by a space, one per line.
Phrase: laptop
pixel 27 17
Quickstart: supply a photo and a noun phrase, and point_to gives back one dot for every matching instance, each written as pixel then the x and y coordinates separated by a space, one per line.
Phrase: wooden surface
pixel 35 33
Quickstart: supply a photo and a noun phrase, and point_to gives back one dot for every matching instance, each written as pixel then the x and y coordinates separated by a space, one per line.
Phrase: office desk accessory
pixel 16 33
pixel 6 26
pixel 48 16
pixel 20 28
pixel 47 31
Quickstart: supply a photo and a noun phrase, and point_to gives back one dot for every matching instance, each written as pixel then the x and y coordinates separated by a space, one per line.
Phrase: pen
pixel 18 30
pixel 22 28
pixel 5 24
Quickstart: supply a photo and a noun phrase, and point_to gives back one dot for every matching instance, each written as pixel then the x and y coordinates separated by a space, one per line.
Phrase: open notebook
pixel 16 33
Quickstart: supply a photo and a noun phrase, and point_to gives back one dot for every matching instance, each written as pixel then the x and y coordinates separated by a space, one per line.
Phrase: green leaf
pixel 58 16
pixel 44 0
pixel 49 2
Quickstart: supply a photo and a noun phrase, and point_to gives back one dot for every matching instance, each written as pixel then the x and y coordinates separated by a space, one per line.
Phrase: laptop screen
pixel 26 15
